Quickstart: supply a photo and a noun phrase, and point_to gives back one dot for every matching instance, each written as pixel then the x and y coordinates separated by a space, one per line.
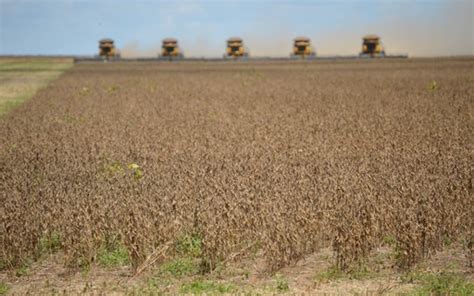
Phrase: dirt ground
pixel 306 277
pixel 257 164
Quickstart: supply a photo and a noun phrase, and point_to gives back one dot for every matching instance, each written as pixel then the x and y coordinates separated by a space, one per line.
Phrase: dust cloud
pixel 134 50
pixel 448 33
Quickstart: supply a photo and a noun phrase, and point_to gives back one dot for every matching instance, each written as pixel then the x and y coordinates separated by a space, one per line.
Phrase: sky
pixel 73 27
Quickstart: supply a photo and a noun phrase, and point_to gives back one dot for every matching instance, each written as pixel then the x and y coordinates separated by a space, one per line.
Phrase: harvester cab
pixel 107 49
pixel 170 49
pixel 302 48
pixel 372 47
pixel 235 48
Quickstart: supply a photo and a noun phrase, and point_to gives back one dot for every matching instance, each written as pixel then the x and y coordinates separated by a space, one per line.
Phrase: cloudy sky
pixel 72 27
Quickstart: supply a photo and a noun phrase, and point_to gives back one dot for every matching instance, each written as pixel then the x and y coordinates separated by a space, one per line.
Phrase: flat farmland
pixel 200 177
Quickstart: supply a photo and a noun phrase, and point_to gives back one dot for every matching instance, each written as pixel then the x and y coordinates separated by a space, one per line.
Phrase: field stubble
pixel 281 158
pixel 20 78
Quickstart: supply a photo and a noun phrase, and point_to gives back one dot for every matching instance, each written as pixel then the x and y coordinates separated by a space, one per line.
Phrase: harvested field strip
pixel 287 158
pixel 20 78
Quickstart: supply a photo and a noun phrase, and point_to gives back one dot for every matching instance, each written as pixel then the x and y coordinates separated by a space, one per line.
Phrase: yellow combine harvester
pixel 372 47
pixel 302 48
pixel 170 49
pixel 235 48
pixel 107 49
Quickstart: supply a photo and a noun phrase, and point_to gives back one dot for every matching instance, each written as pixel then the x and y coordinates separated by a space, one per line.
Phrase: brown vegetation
pixel 284 158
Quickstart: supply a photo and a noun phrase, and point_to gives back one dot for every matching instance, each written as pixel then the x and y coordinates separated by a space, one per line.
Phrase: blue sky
pixel 419 28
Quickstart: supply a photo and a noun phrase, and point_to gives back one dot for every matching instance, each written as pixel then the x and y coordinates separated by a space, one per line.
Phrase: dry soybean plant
pixel 303 156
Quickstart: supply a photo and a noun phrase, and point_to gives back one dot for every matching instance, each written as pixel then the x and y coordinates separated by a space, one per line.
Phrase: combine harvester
pixel 235 49
pixel 302 49
pixel 107 52
pixel 170 50
pixel 372 47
